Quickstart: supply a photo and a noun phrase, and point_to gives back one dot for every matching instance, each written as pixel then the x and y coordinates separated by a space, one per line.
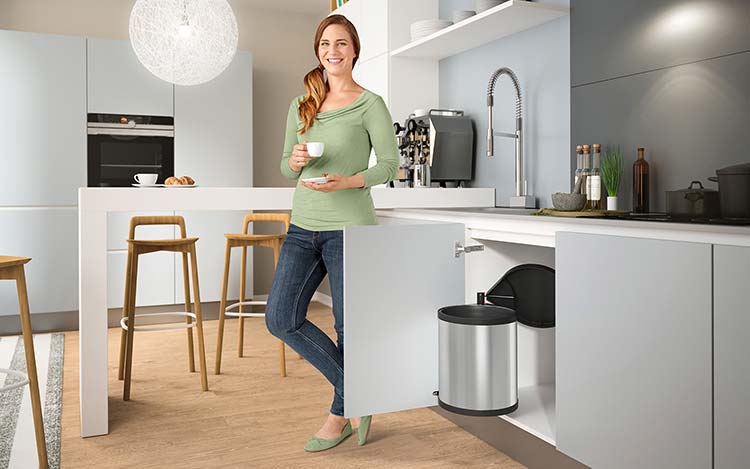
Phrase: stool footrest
pixel 160 327
pixel 237 314
pixel 24 379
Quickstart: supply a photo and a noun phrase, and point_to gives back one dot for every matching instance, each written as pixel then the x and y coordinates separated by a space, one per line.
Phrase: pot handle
pixel 713 179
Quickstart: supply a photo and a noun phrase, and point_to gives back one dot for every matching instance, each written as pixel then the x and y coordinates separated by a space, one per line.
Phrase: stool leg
pixel 282 349
pixel 222 308
pixel 123 332
pixel 186 288
pixel 243 274
pixel 28 344
pixel 199 318
pixel 131 325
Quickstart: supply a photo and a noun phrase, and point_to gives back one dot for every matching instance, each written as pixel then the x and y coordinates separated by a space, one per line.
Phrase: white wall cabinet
pixel 633 352
pixel 49 236
pixel 119 84
pixel 214 127
pixel 42 118
pixel 731 368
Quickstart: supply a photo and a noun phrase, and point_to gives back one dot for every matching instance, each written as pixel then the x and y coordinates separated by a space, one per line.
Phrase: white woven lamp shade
pixel 185 42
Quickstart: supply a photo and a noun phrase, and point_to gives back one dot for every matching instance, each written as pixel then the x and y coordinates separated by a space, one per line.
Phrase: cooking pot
pixel 693 202
pixel 734 191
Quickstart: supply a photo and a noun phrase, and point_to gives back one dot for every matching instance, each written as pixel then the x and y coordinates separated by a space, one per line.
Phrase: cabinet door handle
pixel 460 248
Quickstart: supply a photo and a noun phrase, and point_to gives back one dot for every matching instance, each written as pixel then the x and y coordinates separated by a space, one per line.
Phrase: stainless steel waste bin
pixel 478 359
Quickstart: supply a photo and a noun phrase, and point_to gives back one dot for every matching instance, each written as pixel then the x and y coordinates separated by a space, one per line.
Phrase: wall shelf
pixel 503 20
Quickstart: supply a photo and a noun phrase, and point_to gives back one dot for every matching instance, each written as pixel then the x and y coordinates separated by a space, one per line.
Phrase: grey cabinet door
pixel 633 349
pixel 396 276
pixel 731 367
pixel 119 84
pixel 42 118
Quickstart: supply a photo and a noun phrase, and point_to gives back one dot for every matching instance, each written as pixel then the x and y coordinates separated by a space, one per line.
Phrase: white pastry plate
pixel 317 180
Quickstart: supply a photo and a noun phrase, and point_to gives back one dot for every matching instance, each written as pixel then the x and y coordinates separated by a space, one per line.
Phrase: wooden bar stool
pixel 11 268
pixel 245 240
pixel 136 247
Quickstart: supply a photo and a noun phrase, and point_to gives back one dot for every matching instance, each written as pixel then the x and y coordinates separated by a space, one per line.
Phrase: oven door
pixel 115 156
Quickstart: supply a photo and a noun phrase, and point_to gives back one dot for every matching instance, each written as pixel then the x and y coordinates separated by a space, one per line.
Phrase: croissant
pixel 186 180
pixel 172 181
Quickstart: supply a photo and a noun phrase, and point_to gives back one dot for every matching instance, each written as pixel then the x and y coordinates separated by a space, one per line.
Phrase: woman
pixel 350 121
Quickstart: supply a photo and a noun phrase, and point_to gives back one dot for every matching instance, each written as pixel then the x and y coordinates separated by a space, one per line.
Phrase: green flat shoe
pixel 363 431
pixel 321 444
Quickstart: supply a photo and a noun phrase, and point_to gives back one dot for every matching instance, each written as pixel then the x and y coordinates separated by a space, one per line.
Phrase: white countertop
pixel 540 230
pixel 265 198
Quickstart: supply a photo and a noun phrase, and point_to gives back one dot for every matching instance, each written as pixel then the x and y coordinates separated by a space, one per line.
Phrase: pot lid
pixel 529 290
pixel 742 168
pixel 695 186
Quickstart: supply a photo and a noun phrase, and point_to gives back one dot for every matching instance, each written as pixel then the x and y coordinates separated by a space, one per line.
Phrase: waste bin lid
pixel 477 315
pixel 529 290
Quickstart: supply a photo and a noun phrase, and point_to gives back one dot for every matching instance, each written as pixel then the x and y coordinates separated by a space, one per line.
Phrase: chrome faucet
pixel 521 199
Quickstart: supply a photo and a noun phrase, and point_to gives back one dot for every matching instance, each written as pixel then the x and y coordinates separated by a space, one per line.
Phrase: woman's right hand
pixel 299 157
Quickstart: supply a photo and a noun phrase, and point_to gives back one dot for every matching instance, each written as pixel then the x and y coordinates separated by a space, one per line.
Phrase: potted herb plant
pixel 612 175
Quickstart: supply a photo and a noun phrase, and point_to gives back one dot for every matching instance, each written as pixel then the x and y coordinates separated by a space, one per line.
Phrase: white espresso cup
pixel 146 179
pixel 315 149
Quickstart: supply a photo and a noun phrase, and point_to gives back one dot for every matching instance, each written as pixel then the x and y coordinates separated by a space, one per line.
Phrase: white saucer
pixel 147 185
pixel 165 185
pixel 317 180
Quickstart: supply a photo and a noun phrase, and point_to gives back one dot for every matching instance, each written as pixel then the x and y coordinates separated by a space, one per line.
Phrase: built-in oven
pixel 121 146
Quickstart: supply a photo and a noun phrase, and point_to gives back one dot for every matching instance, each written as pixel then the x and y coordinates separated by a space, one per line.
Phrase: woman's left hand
pixel 336 182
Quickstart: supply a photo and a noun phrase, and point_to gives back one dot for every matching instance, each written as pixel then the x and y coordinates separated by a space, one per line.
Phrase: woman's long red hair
pixel 315 84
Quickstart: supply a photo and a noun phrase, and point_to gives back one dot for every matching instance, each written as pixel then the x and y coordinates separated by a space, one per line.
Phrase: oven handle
pixel 131 132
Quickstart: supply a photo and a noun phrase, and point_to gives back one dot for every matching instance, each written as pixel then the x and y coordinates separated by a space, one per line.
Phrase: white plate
pixel 318 180
pixel 147 185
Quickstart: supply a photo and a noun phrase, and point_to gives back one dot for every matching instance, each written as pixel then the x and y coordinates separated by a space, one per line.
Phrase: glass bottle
pixel 586 184
pixel 579 164
pixel 640 184
pixel 595 178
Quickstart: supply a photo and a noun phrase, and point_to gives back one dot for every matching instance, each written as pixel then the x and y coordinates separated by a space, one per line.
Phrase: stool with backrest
pixel 12 268
pixel 137 247
pixel 245 240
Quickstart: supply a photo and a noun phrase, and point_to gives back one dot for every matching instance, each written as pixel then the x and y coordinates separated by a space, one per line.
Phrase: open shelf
pixel 503 20
pixel 536 411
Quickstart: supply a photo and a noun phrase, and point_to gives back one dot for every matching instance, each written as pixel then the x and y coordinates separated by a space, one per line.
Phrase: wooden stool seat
pixel 12 261
pixel 245 240
pixel 136 247
pixel 12 268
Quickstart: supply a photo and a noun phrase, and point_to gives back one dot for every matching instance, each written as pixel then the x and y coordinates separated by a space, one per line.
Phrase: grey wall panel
pixel 540 58
pixel 633 369
pixel 692 120
pixel 615 38
pixel 731 368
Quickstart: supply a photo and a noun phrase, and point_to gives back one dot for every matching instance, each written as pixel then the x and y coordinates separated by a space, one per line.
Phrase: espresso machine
pixel 435 146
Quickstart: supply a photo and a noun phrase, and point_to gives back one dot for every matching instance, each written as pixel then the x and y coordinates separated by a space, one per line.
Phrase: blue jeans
pixel 305 258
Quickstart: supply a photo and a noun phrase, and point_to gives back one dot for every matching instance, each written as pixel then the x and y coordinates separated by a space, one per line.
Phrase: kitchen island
pixel 95 203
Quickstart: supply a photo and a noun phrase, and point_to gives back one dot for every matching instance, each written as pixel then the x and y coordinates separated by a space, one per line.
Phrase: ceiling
pixel 307 7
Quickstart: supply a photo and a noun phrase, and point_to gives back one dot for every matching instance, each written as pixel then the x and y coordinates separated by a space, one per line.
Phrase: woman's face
pixel 336 51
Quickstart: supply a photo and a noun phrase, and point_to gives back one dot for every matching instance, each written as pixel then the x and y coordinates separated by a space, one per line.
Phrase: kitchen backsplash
pixel 540 59
pixel 670 76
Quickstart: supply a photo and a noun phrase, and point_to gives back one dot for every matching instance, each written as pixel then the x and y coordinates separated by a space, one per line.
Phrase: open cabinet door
pixel 396 277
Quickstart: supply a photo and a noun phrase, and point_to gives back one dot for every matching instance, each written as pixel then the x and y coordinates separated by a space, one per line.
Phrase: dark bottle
pixel 640 184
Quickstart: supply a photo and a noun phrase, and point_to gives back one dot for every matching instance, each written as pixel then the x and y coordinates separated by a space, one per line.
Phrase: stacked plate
pixel 424 28
pixel 483 5
pixel 460 15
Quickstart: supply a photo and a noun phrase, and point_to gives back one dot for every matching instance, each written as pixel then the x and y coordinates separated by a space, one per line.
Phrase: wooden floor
pixel 251 417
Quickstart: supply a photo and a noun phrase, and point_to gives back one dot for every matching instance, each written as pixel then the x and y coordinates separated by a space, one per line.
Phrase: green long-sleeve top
pixel 349 133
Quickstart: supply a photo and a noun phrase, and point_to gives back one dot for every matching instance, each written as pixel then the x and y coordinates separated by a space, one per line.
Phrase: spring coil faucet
pixel 520 199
